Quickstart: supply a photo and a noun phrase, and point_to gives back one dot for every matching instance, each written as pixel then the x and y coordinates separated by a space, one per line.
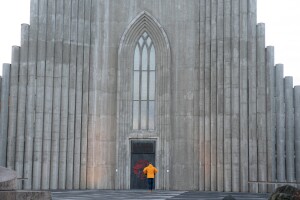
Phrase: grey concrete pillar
pixel 207 96
pixel 270 109
pixel 78 114
pixel 244 169
pixel 20 141
pixel 40 94
pixel 13 107
pixel 72 97
pixel 30 100
pixel 64 97
pixel 85 97
pixel 4 112
pixel 201 97
pixel 280 123
pixel 261 106
pixel 235 95
pixel 220 96
pixel 48 102
pixel 227 97
pixel 252 94
pixel 213 97
pixel 92 102
pixel 55 129
pixel 297 132
pixel 289 129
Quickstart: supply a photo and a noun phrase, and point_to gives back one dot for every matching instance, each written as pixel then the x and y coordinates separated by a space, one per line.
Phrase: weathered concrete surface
pixel 20 195
pixel 7 179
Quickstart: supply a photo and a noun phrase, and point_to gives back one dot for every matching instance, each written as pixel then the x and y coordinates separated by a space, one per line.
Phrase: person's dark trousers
pixel 150 183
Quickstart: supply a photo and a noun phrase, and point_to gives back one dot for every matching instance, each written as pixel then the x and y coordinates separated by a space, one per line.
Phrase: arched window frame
pixel 144 87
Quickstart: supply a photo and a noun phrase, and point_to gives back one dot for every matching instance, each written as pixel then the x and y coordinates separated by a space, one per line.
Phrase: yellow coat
pixel 150 171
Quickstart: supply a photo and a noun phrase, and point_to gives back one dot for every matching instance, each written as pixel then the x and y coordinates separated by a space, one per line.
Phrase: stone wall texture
pixel 226 119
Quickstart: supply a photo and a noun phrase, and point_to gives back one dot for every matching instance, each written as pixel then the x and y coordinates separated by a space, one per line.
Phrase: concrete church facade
pixel 190 82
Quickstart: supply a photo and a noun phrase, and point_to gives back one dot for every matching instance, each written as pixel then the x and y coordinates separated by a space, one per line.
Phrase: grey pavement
pixel 155 195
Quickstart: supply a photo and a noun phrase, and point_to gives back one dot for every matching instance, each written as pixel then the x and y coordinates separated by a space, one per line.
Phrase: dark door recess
pixel 142 152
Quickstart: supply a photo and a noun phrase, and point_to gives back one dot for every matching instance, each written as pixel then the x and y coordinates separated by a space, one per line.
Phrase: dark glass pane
pixel 144 58
pixel 152 85
pixel 137 58
pixel 135 115
pixel 152 58
pixel 136 85
pixel 151 115
pixel 144 87
pixel 144 115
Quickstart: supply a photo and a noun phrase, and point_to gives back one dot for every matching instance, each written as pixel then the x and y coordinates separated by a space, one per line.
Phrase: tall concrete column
pixel 4 112
pixel 31 89
pixel 64 96
pixel 270 109
pixel 252 94
pixel 207 95
pixel 227 97
pixel 289 129
pixel 85 96
pixel 20 140
pixel 220 96
pixel 78 114
pixel 280 123
pixel 235 95
pixel 55 129
pixel 13 107
pixel 244 169
pixel 72 97
pixel 40 94
pixel 92 101
pixel 261 106
pixel 201 97
pixel 297 132
pixel 213 96
pixel 48 102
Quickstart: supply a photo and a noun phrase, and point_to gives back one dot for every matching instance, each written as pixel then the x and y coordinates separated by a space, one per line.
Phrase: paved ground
pixel 155 195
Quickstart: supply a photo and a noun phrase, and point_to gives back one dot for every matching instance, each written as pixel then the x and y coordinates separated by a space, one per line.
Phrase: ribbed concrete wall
pixel 226 117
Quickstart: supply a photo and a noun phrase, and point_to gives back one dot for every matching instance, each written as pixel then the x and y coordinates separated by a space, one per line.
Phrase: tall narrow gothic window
pixel 144 84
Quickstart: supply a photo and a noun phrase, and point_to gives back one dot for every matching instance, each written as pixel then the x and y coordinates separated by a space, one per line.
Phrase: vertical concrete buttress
pixel 213 96
pixel 297 132
pixel 220 95
pixel 31 91
pixel 207 95
pixel 92 101
pixel 13 107
pixel 227 97
pixel 244 163
pixel 289 129
pixel 261 106
pixel 201 97
pixel 4 112
pixel 57 83
pixel 40 94
pixel 48 101
pixel 20 140
pixel 270 109
pixel 252 94
pixel 85 97
pixel 78 104
pixel 64 96
pixel 280 123
pixel 235 95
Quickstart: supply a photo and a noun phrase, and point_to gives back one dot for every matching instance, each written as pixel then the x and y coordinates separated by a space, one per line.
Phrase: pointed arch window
pixel 143 84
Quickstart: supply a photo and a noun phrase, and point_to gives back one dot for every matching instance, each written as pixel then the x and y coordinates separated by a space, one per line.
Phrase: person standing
pixel 150 171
